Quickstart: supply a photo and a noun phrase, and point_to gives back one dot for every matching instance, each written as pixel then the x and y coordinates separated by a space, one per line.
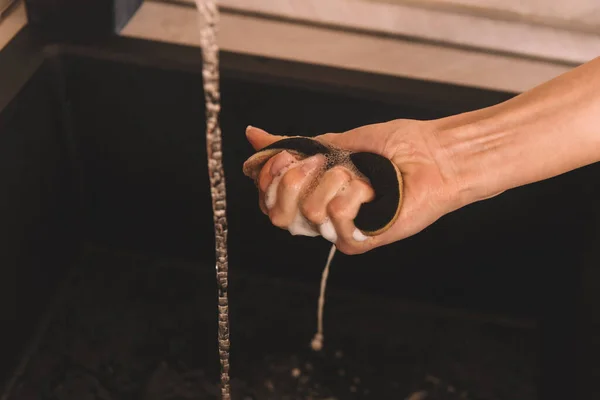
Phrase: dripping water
pixel 209 19
pixel 317 342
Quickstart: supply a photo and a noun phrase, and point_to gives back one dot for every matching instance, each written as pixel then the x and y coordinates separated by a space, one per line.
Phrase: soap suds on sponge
pixel 300 225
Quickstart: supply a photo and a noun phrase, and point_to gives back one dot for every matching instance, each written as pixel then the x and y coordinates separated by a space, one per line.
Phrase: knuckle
pixel 278 218
pixel 365 191
pixel 339 210
pixel 290 180
pixel 339 173
pixel 314 214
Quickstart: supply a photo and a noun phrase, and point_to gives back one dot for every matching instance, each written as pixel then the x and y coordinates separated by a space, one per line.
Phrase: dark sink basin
pixel 107 260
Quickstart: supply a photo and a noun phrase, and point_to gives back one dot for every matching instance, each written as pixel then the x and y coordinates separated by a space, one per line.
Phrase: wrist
pixel 511 145
pixel 479 148
pixel 537 135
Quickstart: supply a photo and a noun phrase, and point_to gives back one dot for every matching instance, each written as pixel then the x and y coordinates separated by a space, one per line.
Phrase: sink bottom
pixel 135 327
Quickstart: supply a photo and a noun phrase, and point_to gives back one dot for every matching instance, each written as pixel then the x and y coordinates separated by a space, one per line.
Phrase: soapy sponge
pixel 383 175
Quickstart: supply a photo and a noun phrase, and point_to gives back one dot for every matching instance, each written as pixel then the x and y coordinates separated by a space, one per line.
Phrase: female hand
pixel 430 185
pixel 445 163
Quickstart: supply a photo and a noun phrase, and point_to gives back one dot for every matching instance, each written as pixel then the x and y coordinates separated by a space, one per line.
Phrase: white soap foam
pixel 359 236
pixel 300 226
pixel 271 192
pixel 328 231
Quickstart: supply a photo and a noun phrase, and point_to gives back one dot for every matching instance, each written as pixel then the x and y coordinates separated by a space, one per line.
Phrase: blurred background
pixel 499 44
pixel 102 161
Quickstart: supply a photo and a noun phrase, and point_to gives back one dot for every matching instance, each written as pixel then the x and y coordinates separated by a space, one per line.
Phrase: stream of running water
pixel 209 15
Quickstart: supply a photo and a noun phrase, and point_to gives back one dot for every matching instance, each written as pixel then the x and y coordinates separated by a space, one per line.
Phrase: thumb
pixel 259 138
pixel 366 138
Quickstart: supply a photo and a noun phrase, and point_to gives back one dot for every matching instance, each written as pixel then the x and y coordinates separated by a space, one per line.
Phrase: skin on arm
pixel 446 163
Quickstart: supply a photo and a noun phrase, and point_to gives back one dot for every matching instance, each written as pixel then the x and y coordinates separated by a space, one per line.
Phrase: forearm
pixel 545 132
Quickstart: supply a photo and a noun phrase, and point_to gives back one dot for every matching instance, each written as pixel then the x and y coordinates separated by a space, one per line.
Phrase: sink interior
pixel 132 326
pixel 102 150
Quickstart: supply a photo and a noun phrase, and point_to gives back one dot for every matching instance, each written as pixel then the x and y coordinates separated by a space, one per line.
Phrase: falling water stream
pixel 209 19
pixel 209 14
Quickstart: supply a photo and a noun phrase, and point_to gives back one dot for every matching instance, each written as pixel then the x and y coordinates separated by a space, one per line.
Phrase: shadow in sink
pixel 135 327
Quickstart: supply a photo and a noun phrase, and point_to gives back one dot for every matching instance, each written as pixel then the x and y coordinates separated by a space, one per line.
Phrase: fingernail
pixel 248 128
pixel 359 236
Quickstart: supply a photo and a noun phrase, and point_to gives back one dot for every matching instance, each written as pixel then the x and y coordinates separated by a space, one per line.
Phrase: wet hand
pixel 296 195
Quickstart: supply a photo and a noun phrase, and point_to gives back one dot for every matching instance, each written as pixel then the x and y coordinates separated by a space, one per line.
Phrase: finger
pixel 289 189
pixel 261 202
pixel 281 161
pixel 314 205
pixel 259 138
pixel 343 209
pixel 273 167
pixel 264 176
pixel 365 138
